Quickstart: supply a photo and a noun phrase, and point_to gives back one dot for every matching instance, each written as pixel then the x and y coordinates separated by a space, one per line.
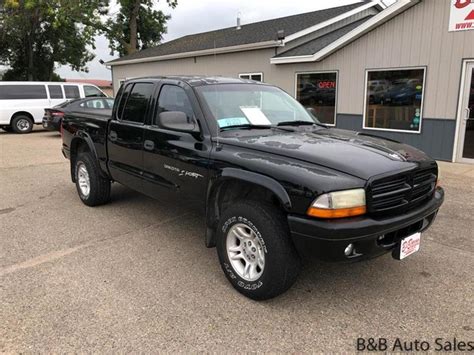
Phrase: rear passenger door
pixel 125 134
pixel 175 161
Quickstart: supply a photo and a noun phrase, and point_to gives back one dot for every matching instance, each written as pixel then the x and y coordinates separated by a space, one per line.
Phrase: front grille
pixel 401 192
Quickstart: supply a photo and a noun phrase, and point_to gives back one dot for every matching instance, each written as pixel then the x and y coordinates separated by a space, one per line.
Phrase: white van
pixel 22 103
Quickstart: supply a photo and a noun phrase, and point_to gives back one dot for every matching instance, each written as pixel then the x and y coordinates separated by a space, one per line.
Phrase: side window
pixel 91 91
pixel 123 94
pixel 174 98
pixel 71 91
pixel 21 92
pixel 55 92
pixel 137 103
pixel 97 103
pixel 109 103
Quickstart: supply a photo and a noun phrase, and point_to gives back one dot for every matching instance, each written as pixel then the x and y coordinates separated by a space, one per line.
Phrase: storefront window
pixel 394 99
pixel 317 91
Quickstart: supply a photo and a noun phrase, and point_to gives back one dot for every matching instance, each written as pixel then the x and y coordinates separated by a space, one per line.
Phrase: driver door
pixel 175 161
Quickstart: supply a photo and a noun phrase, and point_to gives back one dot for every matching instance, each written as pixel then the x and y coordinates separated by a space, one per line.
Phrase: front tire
pixel 255 250
pixel 92 187
pixel 22 124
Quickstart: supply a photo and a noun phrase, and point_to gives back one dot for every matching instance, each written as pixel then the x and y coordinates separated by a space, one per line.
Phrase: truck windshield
pixel 240 105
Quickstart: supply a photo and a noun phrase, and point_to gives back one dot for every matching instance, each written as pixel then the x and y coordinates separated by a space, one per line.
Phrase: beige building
pixel 404 72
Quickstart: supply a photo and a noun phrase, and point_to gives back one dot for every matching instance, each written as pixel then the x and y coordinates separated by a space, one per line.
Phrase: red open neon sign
pixel 327 84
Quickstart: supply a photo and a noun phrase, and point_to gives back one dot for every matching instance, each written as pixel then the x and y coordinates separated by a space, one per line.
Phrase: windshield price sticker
pixel 255 116
pixel 232 121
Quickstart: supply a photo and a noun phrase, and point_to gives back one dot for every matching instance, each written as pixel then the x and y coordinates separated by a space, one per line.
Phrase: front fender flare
pixel 262 180
pixel 212 210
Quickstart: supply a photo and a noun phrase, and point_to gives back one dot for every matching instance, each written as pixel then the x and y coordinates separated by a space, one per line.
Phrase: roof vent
pixel 238 22
pixel 281 35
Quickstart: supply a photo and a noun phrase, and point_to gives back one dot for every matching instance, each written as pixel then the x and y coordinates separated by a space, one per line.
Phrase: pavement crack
pixel 7 210
pixel 31 165
pixel 45 258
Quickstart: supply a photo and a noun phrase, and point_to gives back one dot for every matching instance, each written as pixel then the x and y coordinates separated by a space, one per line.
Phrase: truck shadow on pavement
pixel 317 279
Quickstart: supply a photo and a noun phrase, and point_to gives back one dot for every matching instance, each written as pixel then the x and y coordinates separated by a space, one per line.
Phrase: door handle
pixel 149 145
pixel 113 136
pixel 468 114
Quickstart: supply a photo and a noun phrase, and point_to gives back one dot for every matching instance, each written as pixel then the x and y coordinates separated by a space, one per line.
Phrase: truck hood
pixel 350 152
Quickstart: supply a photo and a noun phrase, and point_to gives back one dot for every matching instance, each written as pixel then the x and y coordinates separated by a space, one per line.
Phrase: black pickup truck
pixel 274 182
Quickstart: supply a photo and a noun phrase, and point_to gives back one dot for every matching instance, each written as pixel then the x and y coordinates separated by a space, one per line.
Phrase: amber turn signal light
pixel 336 213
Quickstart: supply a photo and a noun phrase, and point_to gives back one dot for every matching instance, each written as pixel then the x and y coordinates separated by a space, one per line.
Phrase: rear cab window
pixel 123 94
pixel 22 92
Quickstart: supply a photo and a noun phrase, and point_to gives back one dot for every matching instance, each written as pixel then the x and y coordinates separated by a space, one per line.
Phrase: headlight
pixel 339 204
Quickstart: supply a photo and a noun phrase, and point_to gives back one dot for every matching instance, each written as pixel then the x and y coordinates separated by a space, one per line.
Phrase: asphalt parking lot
pixel 134 275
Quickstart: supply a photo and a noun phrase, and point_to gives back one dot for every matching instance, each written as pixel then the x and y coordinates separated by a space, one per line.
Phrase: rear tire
pixel 22 124
pixel 257 234
pixel 92 187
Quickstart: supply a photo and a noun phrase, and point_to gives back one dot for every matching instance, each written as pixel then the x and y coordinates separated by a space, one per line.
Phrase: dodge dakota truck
pixel 274 183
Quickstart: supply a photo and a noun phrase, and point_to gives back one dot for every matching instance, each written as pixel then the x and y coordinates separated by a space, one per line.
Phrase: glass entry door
pixel 466 133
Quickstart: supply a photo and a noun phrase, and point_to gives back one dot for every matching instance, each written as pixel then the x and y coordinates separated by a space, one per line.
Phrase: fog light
pixel 349 249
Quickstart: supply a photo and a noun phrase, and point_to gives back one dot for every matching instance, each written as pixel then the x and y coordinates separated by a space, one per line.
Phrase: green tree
pixel 136 26
pixel 37 34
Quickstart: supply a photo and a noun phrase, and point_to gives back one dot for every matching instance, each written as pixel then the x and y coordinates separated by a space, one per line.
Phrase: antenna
pixel 218 147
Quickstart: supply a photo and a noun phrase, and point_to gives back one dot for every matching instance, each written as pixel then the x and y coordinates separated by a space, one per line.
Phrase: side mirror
pixel 177 121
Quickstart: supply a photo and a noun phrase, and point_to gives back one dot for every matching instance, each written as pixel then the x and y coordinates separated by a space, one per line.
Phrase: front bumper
pixel 327 239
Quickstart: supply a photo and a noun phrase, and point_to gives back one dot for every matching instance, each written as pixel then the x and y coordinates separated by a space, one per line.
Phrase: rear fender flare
pixel 80 138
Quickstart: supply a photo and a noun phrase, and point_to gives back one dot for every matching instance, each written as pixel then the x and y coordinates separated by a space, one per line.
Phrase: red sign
pixel 327 84
pixel 461 16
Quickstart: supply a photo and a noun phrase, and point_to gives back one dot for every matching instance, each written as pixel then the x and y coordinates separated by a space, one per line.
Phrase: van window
pixel 71 91
pixel 91 91
pixel 22 92
pixel 55 92
pixel 137 103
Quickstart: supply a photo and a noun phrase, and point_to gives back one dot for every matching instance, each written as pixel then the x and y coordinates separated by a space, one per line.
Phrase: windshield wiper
pixel 246 126
pixel 300 123
pixel 254 126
